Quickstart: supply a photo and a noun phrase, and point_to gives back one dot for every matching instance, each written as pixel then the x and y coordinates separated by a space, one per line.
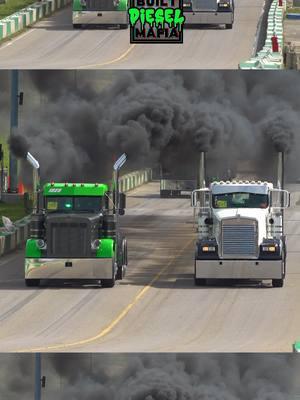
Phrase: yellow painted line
pixel 120 58
pixel 113 323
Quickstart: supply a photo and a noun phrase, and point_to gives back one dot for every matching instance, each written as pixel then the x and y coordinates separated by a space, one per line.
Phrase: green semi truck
pixel 74 231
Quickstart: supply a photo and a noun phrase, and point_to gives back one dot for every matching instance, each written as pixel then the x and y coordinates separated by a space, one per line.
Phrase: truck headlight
pixel 206 249
pixel 96 244
pixel 41 244
pixel 224 5
pixel 270 249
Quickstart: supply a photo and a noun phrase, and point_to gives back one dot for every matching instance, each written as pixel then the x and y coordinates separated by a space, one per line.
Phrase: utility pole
pixel 40 381
pixel 38 370
pixel 14 106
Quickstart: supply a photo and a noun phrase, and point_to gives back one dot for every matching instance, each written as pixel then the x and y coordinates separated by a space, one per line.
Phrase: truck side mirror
pixel 280 198
pixel 122 203
pixel 201 198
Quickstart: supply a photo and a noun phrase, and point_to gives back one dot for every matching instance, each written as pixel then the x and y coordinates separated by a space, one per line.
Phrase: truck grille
pixel 100 5
pixel 68 239
pixel 239 238
pixel 204 5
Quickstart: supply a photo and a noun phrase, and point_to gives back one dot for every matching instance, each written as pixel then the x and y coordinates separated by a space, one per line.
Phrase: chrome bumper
pixel 74 268
pixel 239 269
pixel 100 17
pixel 209 17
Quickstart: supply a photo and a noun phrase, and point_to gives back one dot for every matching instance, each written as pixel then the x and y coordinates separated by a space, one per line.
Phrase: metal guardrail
pixel 28 16
pixel 266 58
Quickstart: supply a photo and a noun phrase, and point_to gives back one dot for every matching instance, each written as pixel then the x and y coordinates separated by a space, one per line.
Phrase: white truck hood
pixel 260 214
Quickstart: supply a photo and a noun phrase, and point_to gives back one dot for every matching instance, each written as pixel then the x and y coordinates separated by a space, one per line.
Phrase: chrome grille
pixel 68 239
pixel 239 238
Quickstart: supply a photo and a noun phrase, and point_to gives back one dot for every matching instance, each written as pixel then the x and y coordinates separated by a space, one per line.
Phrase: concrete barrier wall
pixel 10 241
pixel 266 58
pixel 135 179
pixel 28 16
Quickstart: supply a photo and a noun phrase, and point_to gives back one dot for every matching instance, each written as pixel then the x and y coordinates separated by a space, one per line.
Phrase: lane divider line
pixel 115 60
pixel 115 321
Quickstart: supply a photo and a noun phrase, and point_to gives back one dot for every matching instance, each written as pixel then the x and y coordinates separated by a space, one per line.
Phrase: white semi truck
pixel 209 12
pixel 240 230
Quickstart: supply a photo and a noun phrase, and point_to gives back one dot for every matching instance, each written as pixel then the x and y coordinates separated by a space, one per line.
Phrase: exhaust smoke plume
pixel 159 117
pixel 155 376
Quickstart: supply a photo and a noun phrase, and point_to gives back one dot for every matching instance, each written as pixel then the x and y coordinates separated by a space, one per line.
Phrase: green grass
pixel 12 211
pixel 12 6
pixel 293 10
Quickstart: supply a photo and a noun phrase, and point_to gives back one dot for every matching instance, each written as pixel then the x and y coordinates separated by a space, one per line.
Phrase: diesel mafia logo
pixel 156 21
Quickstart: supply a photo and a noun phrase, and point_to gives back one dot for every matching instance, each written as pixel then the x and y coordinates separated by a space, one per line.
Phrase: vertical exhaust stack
pixel 202 171
pixel 117 166
pixel 280 170
pixel 36 180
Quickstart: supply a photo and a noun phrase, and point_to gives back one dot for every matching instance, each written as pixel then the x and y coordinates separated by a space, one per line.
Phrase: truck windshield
pixel 240 200
pixel 74 204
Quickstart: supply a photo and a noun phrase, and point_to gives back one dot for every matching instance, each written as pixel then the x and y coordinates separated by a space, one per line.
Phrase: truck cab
pixel 240 231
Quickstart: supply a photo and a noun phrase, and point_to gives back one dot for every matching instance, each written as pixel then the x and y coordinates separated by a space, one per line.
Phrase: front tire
pixel 77 26
pixel 122 260
pixel 200 282
pixel 277 283
pixel 228 26
pixel 108 283
pixel 32 282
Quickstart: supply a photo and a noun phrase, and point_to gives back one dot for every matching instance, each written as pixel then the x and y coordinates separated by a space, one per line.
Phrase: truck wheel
pixel 277 282
pixel 200 282
pixel 108 283
pixel 32 282
pixel 122 264
pixel 77 26
pixel 228 26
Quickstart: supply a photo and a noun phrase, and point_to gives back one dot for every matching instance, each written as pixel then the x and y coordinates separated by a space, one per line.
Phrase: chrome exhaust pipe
pixel 36 180
pixel 280 170
pixel 202 171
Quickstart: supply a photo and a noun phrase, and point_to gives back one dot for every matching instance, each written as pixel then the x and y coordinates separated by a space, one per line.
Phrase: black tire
pixel 108 283
pixel 122 260
pixel 124 26
pixel 32 282
pixel 200 282
pixel 228 26
pixel 77 26
pixel 277 283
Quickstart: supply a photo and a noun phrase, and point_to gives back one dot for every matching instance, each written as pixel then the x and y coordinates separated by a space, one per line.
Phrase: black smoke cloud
pixel 153 376
pixel 160 117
